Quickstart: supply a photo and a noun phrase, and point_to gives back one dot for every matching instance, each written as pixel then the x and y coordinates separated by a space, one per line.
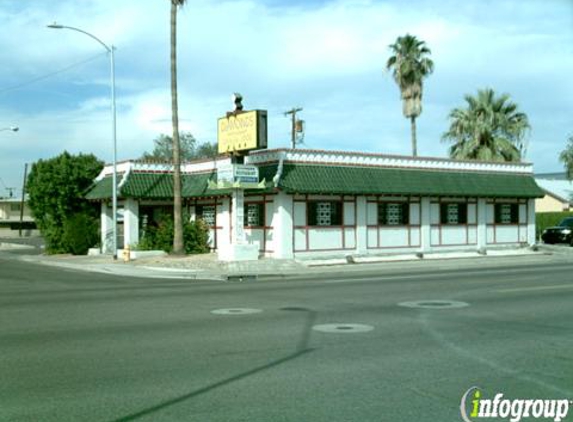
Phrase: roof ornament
pixel 238 104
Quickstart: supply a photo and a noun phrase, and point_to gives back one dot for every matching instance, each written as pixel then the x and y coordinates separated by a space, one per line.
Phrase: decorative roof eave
pixel 344 158
pixel 126 167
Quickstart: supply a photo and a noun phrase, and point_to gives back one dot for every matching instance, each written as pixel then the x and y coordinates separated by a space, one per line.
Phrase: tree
pixel 56 189
pixel 490 128
pixel 566 158
pixel 410 65
pixel 178 247
pixel 189 150
pixel 207 150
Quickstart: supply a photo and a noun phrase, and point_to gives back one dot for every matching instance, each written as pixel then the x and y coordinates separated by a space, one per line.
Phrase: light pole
pixel 110 50
pixel 11 128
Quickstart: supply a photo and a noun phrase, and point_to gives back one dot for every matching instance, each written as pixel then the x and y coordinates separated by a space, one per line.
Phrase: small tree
pixel 190 149
pixel 566 158
pixel 56 189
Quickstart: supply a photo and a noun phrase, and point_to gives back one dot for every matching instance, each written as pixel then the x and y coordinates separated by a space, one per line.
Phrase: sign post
pixel 237 133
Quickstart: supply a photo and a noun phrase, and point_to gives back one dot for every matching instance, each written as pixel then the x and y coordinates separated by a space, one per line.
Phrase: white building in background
pixel 328 202
pixel 12 218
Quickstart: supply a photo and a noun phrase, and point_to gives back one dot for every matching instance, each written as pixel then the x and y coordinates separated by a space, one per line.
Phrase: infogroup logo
pixel 514 410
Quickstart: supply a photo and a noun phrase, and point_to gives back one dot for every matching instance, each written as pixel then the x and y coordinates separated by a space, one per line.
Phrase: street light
pixel 12 128
pixel 110 50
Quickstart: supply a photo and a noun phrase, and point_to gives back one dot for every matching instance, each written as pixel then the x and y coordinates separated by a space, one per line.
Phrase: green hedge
pixel 549 219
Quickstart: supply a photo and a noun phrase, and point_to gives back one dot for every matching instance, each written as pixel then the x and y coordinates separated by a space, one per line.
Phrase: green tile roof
pixel 317 179
pixel 159 186
pixel 322 179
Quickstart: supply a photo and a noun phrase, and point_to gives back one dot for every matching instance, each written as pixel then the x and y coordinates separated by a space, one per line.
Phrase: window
pixel 454 213
pixel 15 207
pixel 254 215
pixel 324 213
pixel 393 214
pixel 506 213
pixel 207 213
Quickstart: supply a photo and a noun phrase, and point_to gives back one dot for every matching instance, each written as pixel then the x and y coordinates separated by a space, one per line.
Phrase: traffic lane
pixel 404 342
pixel 106 302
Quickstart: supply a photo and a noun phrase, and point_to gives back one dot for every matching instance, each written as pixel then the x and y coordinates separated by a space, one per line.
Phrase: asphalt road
pixel 87 347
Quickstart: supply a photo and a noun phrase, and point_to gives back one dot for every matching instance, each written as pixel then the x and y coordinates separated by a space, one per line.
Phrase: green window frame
pixel 254 214
pixel 393 213
pixel 506 213
pixel 324 213
pixel 453 213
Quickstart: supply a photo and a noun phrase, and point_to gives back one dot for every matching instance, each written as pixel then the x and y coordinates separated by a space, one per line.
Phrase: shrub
pixel 79 233
pixel 160 236
pixel 196 237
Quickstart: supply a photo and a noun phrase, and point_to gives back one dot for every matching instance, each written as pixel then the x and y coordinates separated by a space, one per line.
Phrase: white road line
pixel 536 288
pixel 433 275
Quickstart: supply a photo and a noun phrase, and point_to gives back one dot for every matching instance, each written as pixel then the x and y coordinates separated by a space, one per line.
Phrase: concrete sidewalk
pixel 207 267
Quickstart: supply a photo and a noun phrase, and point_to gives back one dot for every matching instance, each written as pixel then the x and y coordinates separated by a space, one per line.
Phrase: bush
pixel 196 237
pixel 160 237
pixel 80 232
pixel 549 219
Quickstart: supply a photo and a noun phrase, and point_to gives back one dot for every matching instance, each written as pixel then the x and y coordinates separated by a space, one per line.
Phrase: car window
pixel 568 222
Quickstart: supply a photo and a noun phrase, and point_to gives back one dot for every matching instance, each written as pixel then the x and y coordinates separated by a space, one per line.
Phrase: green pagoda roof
pixel 328 179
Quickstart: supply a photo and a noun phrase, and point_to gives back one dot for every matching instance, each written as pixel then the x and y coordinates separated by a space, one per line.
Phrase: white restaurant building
pixel 328 202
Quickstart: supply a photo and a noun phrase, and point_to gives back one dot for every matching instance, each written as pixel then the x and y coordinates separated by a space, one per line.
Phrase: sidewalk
pixel 207 267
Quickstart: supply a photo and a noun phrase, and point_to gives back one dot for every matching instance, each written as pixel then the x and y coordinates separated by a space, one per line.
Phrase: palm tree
pixel 566 158
pixel 178 248
pixel 410 65
pixel 489 129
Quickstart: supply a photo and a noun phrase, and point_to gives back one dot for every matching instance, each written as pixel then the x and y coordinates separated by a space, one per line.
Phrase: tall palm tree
pixel 410 65
pixel 490 128
pixel 178 248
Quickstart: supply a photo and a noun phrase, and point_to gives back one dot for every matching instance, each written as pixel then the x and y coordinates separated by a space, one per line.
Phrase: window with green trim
pixel 207 213
pixel 454 213
pixel 393 214
pixel 506 213
pixel 324 213
pixel 254 215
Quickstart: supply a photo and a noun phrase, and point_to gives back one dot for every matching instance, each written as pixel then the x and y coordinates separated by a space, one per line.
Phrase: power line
pixel 49 75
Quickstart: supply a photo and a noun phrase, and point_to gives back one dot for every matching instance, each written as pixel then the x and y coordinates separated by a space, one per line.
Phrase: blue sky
pixel 326 56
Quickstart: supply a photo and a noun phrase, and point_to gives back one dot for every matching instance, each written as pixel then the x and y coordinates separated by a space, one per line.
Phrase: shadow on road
pixel 302 349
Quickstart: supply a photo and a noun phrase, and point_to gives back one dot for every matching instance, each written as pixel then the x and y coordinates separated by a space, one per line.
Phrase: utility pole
pixel 23 201
pixel 293 112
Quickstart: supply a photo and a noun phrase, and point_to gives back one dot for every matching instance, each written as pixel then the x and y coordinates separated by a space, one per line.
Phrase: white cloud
pixel 327 58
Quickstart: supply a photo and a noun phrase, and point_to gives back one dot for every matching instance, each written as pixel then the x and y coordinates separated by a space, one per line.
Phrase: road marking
pixel 434 304
pixel 236 311
pixel 466 274
pixel 343 328
pixel 536 288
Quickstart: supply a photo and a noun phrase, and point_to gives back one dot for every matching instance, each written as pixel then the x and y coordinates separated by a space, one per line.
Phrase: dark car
pixel 561 233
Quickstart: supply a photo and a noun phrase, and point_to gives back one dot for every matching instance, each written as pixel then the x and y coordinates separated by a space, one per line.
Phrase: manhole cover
pixel 236 311
pixel 434 304
pixel 343 328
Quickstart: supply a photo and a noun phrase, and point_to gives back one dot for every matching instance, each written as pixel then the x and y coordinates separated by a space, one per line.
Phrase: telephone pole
pixel 293 112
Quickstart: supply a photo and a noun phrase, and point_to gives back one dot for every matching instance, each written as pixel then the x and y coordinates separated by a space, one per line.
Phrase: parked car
pixel 561 233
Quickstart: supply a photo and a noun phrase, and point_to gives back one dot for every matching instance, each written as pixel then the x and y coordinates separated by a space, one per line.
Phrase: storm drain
pixel 434 304
pixel 343 328
pixel 236 311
